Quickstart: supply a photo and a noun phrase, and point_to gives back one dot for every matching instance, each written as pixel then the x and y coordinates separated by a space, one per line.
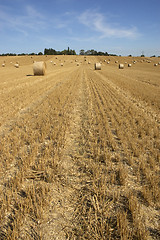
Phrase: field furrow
pixel 79 151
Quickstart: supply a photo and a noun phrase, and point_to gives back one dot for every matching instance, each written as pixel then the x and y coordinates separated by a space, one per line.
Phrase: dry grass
pixel 79 150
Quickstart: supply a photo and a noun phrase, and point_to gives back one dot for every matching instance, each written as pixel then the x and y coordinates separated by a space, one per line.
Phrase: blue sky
pixel 115 26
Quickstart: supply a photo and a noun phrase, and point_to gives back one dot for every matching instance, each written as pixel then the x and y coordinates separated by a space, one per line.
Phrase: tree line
pixel 93 52
pixel 52 51
pixel 49 51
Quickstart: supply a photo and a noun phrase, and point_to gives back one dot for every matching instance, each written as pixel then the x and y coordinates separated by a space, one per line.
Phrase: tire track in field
pixel 140 105
pixel 60 220
pixel 105 98
pixel 7 126
pixel 24 93
pixel 13 171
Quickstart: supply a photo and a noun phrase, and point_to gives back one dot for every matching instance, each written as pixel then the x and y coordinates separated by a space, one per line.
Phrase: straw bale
pixel 97 66
pixel 39 68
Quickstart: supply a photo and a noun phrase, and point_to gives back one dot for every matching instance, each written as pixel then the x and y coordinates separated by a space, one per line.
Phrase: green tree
pixel 82 52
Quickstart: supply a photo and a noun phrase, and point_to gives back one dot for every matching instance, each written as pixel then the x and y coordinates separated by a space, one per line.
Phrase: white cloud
pixel 97 22
pixel 31 20
pixel 33 13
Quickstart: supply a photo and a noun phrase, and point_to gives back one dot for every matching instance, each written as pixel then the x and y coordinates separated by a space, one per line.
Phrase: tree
pixel 51 51
pixel 82 52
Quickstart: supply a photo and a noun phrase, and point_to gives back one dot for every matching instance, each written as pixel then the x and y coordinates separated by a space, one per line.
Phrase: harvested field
pixel 80 149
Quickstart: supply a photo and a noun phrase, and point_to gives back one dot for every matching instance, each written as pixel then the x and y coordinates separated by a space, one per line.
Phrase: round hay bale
pixel 16 65
pixel 104 60
pixel 39 68
pixel 3 64
pixel 77 64
pixel 89 62
pixel 121 66
pixel 116 61
pixel 61 64
pixel 155 64
pixel 129 65
pixel 54 63
pixel 159 63
pixel 108 62
pixel 97 66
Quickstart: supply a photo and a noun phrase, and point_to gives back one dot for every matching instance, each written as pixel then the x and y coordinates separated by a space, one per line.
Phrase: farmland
pixel 80 149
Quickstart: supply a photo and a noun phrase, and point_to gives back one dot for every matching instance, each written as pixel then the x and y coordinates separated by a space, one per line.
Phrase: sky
pixel 122 27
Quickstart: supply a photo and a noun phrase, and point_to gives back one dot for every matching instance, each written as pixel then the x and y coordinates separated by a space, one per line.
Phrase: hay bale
pixel 155 64
pixel 77 64
pixel 39 68
pixel 129 65
pixel 116 61
pixel 159 63
pixel 54 63
pixel 16 65
pixel 61 64
pixel 3 65
pixel 97 66
pixel 108 62
pixel 121 66
pixel 89 62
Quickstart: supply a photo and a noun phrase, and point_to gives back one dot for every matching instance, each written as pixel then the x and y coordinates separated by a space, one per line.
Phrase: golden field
pixel 80 149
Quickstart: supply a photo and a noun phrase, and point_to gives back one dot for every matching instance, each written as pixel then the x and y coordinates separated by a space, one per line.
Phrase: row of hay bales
pixel 121 65
pixel 98 66
pixel 15 65
pixel 39 68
